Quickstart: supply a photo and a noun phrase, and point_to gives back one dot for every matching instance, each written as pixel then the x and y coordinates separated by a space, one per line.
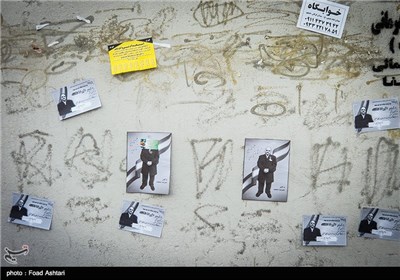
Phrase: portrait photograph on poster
pixel 379 223
pixel 375 115
pixel 324 230
pixel 265 169
pixel 31 211
pixel 76 99
pixel 148 162
pixel 141 218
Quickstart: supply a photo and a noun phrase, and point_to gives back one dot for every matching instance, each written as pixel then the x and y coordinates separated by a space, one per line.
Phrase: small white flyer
pixel 76 99
pixel 377 114
pixel 324 230
pixel 141 218
pixel 31 211
pixel 379 223
pixel 323 17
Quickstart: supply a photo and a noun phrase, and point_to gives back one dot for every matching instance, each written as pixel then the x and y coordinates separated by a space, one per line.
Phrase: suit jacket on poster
pixel 367 228
pixel 64 109
pixel 309 235
pixel 16 213
pixel 361 122
pixel 146 156
pixel 270 163
pixel 125 220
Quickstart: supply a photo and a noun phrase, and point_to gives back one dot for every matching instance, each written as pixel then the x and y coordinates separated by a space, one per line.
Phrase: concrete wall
pixel 211 91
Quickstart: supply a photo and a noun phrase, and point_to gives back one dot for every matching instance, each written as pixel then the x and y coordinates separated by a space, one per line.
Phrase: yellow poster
pixel 132 56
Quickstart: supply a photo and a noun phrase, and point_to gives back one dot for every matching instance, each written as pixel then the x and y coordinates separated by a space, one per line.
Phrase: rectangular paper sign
pixel 323 17
pixel 132 56
pixel 141 218
pixel 265 169
pixel 378 114
pixel 76 99
pixel 148 162
pixel 320 230
pixel 379 223
pixel 31 211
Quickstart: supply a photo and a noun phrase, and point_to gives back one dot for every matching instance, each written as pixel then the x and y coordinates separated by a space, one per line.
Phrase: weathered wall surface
pixel 237 70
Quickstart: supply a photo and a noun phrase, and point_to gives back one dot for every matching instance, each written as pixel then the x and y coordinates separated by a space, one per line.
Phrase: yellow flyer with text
pixel 132 56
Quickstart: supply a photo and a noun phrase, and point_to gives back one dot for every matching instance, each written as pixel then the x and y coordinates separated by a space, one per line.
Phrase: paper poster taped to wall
pixel 76 99
pixel 320 230
pixel 31 211
pixel 265 169
pixel 148 162
pixel 378 114
pixel 379 223
pixel 132 56
pixel 323 17
pixel 141 218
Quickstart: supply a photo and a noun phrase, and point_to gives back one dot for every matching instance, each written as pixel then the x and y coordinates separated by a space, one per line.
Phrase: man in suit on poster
pixel 310 233
pixel 65 105
pixel 150 160
pixel 267 166
pixel 368 224
pixel 363 119
pixel 128 218
pixel 18 210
